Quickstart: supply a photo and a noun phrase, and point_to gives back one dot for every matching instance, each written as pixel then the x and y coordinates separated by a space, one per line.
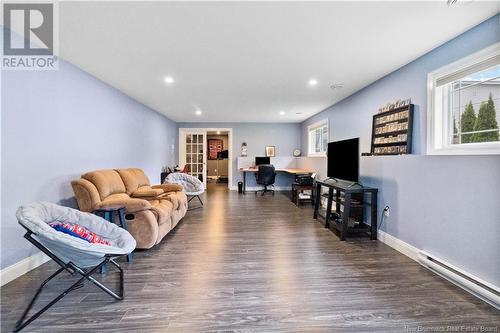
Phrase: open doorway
pixel 217 159
pixel 209 158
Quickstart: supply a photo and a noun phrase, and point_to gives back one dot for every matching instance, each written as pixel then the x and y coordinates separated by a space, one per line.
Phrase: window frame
pixel 438 129
pixel 314 126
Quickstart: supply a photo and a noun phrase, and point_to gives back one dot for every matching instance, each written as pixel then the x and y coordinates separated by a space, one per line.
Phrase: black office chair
pixel 265 176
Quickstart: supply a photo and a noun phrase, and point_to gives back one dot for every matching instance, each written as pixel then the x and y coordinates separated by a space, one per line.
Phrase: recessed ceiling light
pixel 169 79
pixel 218 132
pixel 313 82
pixel 198 112
pixel 282 113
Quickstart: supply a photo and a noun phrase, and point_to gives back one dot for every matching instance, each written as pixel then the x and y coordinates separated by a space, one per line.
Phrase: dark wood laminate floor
pixel 255 264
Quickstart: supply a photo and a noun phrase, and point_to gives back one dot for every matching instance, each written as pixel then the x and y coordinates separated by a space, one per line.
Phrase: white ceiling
pixel 247 61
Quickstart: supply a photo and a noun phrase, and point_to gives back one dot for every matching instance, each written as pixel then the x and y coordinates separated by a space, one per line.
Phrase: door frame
pixel 182 148
pixel 205 130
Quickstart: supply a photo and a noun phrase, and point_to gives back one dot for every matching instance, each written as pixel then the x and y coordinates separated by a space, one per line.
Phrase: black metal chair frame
pixel 265 190
pixel 73 270
pixel 195 196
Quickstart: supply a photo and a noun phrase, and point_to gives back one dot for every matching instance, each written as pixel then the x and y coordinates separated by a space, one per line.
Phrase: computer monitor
pixel 262 160
pixel 222 154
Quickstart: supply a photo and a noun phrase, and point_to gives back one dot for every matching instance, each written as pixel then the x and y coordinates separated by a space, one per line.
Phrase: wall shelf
pixel 392 131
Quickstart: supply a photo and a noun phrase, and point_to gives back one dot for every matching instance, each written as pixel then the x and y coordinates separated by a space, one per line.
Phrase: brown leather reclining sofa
pixel 151 211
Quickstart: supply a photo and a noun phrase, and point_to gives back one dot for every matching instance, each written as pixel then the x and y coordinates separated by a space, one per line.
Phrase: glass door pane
pixel 193 154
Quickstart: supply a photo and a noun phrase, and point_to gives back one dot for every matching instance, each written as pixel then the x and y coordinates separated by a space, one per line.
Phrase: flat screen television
pixel 343 160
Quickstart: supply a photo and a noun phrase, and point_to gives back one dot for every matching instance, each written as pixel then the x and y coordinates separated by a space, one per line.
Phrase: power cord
pixel 386 208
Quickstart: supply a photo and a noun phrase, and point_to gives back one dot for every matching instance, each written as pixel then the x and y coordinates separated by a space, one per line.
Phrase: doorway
pixel 206 153
pixel 217 159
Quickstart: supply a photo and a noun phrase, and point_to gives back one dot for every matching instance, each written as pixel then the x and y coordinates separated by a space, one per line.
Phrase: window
pixel 464 105
pixel 318 138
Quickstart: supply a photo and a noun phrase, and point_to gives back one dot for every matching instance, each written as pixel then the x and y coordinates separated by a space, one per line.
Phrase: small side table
pixel 297 189
pixel 110 214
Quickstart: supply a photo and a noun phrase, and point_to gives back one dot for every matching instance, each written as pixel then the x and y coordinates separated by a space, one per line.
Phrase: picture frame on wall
pixel 270 151
pixel 215 146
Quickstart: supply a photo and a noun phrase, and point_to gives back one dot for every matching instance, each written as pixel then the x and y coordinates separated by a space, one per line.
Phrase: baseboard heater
pixel 481 289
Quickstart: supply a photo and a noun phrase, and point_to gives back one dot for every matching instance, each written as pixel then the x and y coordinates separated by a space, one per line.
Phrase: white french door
pixel 193 152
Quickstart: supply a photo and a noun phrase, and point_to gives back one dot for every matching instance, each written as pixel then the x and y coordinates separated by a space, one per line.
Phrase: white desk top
pixel 287 170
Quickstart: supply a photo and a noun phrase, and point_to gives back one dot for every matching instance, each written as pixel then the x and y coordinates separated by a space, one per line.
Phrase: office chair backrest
pixel 266 174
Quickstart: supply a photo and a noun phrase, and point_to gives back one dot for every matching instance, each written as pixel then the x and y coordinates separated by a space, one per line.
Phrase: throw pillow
pixel 78 231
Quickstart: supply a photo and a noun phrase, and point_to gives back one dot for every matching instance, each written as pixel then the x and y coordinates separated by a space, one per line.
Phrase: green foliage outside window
pixel 485 120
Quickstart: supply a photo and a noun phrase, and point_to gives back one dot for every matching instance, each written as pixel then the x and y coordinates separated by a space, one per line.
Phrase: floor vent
pixel 481 289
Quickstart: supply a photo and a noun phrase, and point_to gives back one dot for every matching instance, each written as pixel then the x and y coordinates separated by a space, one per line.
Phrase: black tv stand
pixel 353 201
pixel 355 183
pixel 335 180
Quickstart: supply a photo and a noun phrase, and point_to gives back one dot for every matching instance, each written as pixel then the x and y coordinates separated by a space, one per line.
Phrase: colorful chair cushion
pixel 78 231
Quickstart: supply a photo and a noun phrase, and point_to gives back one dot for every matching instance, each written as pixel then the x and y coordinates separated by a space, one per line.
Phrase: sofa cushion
pixel 123 200
pixel 133 178
pixel 168 187
pixel 146 192
pixel 173 199
pixel 178 199
pixel 107 182
pixel 162 210
pixel 183 201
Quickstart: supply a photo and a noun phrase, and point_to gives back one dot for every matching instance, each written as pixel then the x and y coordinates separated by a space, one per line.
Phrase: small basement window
pixel 318 138
pixel 464 105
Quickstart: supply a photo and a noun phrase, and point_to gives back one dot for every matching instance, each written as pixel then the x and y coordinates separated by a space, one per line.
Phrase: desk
pixel 291 171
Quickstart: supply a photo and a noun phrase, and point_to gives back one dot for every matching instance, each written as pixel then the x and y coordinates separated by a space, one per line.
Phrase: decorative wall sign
pixel 400 103
pixel 214 146
pixel 244 149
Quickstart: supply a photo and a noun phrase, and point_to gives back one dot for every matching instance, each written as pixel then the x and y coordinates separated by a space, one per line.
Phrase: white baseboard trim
pixel 22 267
pixel 455 275
pixel 397 244
pixel 255 188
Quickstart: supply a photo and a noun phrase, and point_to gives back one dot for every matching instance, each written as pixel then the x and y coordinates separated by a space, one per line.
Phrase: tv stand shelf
pixel 352 198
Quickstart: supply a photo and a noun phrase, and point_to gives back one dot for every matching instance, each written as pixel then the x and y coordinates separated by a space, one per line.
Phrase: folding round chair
pixel 74 255
pixel 191 185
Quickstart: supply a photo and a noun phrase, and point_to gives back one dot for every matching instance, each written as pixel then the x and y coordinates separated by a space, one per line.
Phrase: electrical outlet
pixel 387 211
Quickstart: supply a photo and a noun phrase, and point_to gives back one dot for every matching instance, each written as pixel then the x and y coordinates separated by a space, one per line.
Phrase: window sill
pixel 492 148
pixel 316 155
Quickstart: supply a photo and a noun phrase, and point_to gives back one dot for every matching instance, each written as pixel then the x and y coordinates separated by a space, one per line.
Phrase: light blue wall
pixel 446 205
pixel 286 138
pixel 57 125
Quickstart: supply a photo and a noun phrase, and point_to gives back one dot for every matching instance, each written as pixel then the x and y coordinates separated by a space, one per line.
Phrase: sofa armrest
pixel 86 194
pixel 145 193
pixel 131 205
pixel 169 187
